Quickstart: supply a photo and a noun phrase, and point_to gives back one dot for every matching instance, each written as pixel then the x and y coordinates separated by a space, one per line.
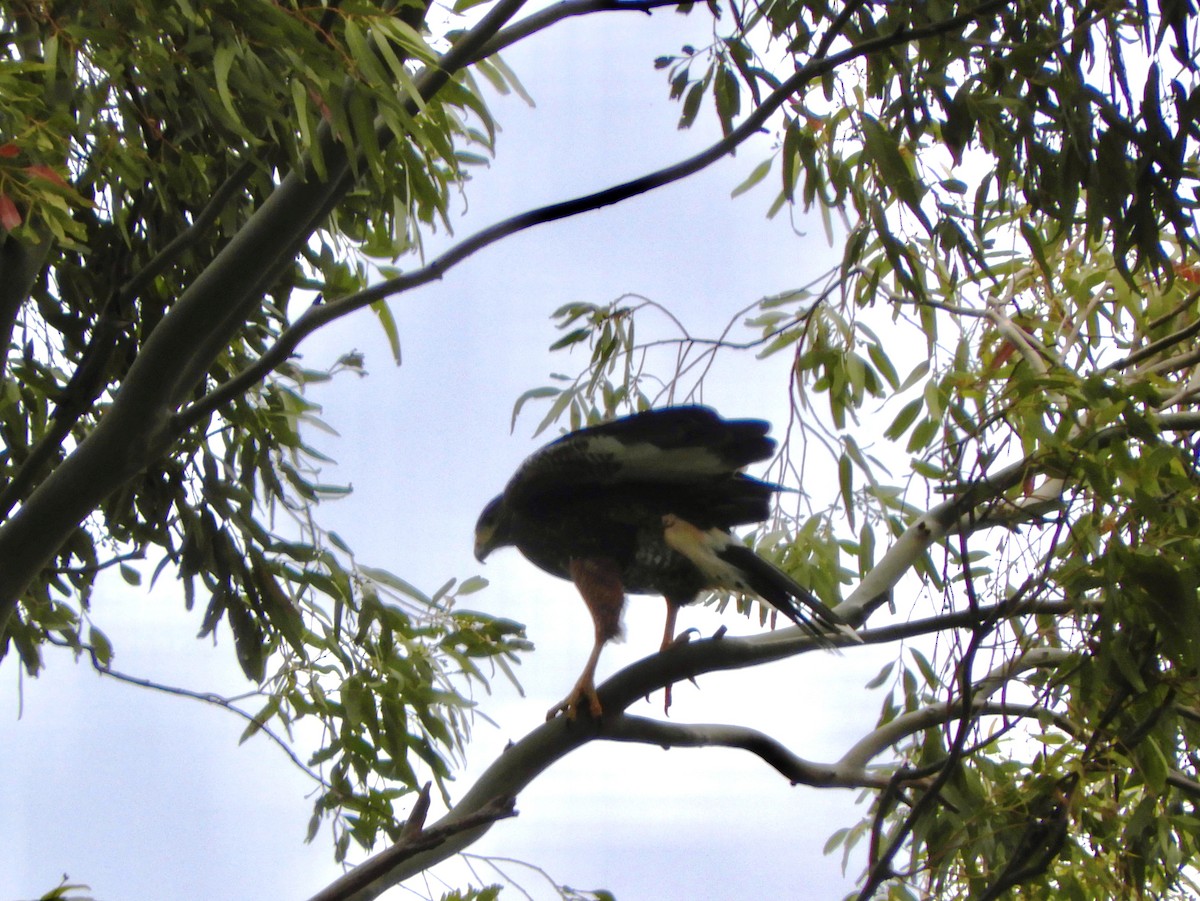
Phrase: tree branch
pixel 926 530
pixel 797 770
pixel 356 884
pixel 133 288
pixel 20 264
pixel 881 866
pixel 91 375
pixel 1154 347
pixel 522 762
pixel 77 397
pixel 206 697
pixel 560 12
pixel 968 511
pixel 887 735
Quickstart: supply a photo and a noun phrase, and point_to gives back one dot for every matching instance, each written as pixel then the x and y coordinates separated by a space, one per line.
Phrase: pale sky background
pixel 144 796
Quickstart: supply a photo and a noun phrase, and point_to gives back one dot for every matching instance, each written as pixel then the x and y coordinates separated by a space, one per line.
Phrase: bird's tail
pixel 784 593
pixel 727 563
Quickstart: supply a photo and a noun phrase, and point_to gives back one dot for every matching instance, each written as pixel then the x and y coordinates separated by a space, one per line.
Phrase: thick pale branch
pixel 516 767
pixel 887 735
pixel 977 506
pixel 524 761
pixel 1033 354
pixel 1048 496
pixel 790 640
pixel 203 221
pixel 356 884
pixel 91 375
pixel 928 529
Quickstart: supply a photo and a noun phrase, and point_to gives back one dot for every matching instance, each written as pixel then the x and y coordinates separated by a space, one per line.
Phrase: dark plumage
pixel 643 505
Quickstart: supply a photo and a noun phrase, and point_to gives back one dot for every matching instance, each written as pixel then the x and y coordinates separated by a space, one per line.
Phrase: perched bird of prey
pixel 643 505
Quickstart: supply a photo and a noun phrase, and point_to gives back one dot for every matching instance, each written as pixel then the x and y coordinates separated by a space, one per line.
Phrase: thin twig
pixel 133 288
pixel 205 697
pixel 91 375
pixel 1163 343
pixel 881 868
pixel 559 12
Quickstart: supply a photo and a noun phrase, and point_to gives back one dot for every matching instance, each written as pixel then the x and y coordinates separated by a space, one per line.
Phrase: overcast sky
pixel 144 796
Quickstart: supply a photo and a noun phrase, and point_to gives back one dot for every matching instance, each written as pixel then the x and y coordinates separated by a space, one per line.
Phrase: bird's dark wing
pixel 673 446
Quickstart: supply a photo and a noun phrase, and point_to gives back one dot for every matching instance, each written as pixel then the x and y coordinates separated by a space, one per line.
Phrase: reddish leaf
pixel 316 98
pixel 40 171
pixel 1188 273
pixel 1003 353
pixel 8 151
pixel 10 216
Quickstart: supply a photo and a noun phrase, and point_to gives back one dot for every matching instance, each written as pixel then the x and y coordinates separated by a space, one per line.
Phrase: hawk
pixel 644 505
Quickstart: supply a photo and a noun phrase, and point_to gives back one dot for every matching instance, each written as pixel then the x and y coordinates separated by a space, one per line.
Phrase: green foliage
pixel 67 892
pixel 139 139
pixel 1015 314
pixel 1012 332
pixel 1082 782
pixel 1066 105
pixel 489 893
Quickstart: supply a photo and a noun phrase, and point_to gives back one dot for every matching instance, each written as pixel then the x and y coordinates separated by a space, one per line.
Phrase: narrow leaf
pixel 384 313
pixel 757 174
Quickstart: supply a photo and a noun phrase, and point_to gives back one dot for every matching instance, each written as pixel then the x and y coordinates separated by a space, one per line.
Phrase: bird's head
pixel 491 531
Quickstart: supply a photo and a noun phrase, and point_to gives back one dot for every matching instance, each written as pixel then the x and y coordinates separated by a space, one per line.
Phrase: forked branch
pixel 523 762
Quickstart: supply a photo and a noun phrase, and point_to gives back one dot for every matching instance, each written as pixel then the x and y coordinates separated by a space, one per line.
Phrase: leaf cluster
pixel 140 139
pixel 1083 115
pixel 1016 315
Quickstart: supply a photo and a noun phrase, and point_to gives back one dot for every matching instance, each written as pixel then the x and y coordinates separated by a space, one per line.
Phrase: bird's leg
pixel 668 640
pixel 669 628
pixel 599 582
pixel 584 690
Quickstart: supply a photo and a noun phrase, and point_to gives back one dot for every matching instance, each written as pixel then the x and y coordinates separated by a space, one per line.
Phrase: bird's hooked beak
pixel 487 530
pixel 481 548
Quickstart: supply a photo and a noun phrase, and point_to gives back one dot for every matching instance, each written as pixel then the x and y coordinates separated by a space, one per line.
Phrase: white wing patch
pixel 701 546
pixel 644 460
